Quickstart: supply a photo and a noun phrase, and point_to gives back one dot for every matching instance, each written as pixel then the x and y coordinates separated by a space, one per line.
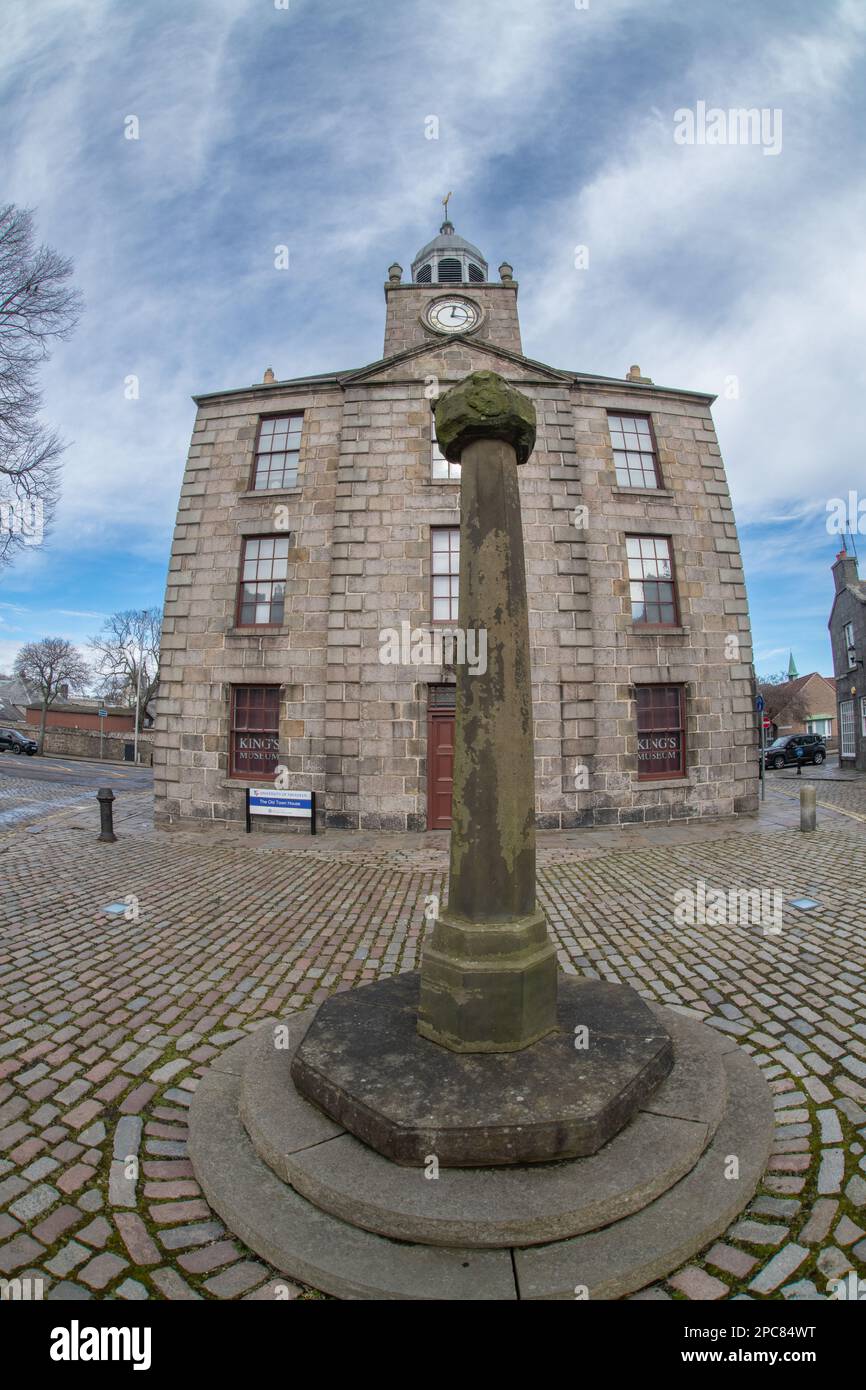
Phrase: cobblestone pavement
pixel 125 968
pixel 848 795
pixel 32 789
pixel 22 801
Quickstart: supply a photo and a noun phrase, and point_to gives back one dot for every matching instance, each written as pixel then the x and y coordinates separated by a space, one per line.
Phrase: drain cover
pixel 804 904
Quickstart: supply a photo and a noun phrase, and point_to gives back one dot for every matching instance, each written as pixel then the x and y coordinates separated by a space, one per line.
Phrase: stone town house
pixel 848 641
pixel 804 705
pixel 317 513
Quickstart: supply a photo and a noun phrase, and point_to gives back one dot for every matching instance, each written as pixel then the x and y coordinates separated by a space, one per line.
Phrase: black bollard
pixel 105 796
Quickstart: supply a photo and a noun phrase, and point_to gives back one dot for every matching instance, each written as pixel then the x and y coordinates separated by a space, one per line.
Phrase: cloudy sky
pixel 720 267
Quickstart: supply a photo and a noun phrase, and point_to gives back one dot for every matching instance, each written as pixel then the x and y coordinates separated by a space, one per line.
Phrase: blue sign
pixel 267 801
pixel 103 714
pixel 759 704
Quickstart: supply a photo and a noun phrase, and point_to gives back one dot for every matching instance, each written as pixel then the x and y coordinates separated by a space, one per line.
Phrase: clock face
pixel 453 316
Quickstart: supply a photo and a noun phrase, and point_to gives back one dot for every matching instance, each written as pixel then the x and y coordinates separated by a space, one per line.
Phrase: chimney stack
pixel 844 570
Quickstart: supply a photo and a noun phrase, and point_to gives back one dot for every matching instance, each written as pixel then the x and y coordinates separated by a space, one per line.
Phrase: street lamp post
pixel 759 706
pixel 138 704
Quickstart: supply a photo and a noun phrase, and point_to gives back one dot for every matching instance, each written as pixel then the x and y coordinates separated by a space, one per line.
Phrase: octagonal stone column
pixel 488 973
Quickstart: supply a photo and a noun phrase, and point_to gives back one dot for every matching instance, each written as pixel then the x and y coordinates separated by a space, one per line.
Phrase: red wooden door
pixel 440 768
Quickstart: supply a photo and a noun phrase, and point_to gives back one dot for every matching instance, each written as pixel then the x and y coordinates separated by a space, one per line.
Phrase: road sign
pixel 759 703
pixel 768 723
pixel 103 713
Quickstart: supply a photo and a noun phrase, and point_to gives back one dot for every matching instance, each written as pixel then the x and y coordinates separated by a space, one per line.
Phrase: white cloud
pixel 556 128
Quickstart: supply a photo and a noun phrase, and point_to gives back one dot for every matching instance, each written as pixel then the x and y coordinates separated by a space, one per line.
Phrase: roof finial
pixel 445 201
pixel 447 225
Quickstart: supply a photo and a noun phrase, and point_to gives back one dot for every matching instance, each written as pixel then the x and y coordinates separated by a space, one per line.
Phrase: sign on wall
pixel 661 752
pixel 268 801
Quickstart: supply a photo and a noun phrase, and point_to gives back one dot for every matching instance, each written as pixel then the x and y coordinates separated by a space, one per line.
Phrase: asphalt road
pixel 33 788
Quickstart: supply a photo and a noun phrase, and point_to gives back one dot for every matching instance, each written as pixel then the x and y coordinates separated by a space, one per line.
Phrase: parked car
pixel 795 748
pixel 13 742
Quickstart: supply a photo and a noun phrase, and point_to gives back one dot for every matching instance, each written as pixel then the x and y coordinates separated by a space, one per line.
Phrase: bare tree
pixel 125 650
pixel 778 699
pixel 37 306
pixel 51 666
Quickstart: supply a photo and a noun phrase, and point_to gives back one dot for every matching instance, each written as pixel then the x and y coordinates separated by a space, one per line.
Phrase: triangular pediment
pixel 455 357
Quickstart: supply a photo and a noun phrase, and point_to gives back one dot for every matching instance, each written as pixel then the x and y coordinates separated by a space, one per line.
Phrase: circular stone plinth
pixel 364 1064
pixel 483 1208
pixel 335 1254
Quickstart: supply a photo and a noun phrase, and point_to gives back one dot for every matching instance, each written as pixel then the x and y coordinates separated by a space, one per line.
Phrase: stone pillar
pixel 808 808
pixel 488 974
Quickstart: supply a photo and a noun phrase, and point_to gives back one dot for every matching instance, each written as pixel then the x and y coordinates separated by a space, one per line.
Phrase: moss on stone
pixel 484 406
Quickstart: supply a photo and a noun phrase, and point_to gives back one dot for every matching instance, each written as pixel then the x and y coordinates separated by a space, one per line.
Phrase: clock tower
pixel 450 296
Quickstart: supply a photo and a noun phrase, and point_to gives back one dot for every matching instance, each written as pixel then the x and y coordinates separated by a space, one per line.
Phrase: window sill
pixel 619 491
pixel 658 630
pixel 262 630
pixel 646 783
pixel 253 781
pixel 270 492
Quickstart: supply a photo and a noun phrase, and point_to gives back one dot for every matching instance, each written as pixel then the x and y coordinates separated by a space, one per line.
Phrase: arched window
pixel 475 272
pixel 449 271
pixel 424 275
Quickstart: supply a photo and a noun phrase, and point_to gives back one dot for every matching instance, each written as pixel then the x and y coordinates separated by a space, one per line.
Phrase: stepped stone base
pixel 329 1211
pixel 364 1062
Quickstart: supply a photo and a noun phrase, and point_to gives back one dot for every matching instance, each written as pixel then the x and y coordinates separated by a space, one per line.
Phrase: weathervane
pixel 445 204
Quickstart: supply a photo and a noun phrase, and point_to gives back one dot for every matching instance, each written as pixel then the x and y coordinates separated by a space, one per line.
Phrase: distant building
pixel 807 705
pixel 14 699
pixel 848 640
pixel 83 714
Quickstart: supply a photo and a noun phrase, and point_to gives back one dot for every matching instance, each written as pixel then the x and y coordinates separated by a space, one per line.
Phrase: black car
pixel 795 748
pixel 13 742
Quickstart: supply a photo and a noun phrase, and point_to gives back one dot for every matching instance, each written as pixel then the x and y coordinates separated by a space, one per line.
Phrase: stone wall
pixel 81 743
pixel 405 305
pixel 849 607
pixel 203 653
pixel 354 729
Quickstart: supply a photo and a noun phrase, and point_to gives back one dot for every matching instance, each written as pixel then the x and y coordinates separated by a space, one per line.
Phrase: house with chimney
pixel 802 705
pixel 848 640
